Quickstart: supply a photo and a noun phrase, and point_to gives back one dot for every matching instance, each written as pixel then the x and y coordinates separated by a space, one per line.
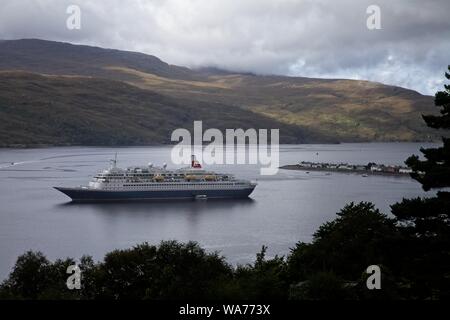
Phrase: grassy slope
pixel 347 109
pixel 73 110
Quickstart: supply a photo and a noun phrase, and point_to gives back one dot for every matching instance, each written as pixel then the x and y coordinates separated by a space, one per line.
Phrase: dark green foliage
pixel 425 227
pixel 340 253
pixel 434 172
pixel 265 279
pixel 441 99
pixel 425 222
pixel 322 286
pixel 170 271
pixel 34 277
pixel 359 237
pixel 424 218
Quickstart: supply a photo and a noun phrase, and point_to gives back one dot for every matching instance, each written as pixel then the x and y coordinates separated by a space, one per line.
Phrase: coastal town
pixel 369 169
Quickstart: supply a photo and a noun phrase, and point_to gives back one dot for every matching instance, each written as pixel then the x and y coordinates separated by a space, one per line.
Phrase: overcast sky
pixel 313 38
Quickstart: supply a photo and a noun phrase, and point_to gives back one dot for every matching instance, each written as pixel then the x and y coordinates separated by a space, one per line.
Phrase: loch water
pixel 284 208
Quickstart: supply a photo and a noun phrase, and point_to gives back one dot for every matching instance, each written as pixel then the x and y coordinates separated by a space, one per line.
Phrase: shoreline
pixel 351 171
pixel 43 145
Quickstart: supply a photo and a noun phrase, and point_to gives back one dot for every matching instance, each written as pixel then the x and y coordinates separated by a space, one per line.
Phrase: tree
pixel 265 279
pixel 345 246
pixel 426 221
pixel 322 286
pixel 341 251
pixel 34 277
pixel 171 270
pixel 434 172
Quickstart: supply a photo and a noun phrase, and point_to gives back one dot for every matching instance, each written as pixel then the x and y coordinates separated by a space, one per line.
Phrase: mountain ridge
pixel 316 110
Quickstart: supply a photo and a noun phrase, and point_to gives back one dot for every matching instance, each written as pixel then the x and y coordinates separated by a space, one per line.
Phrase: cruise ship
pixel 158 183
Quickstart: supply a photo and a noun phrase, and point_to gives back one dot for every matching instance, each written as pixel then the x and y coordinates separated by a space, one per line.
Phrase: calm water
pixel 284 209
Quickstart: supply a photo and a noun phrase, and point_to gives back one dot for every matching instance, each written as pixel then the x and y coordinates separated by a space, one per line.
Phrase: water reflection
pixel 197 207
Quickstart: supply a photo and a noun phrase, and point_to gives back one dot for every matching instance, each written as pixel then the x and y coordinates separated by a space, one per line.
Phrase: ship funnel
pixel 165 165
pixel 194 162
pixel 150 165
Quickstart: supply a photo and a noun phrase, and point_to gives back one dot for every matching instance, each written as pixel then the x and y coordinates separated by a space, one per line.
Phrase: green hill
pixel 59 93
pixel 74 110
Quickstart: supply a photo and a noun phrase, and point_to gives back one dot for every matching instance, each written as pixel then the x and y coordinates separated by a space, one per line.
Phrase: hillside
pixel 51 57
pixel 91 88
pixel 75 110
pixel 348 110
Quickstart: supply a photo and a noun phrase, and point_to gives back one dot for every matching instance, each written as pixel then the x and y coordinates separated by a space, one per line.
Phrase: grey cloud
pixel 301 38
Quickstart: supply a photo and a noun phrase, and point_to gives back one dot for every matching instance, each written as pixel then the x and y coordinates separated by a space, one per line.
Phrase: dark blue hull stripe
pixel 99 195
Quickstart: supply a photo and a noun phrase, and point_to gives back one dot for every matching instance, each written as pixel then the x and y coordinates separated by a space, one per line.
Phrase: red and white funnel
pixel 195 163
